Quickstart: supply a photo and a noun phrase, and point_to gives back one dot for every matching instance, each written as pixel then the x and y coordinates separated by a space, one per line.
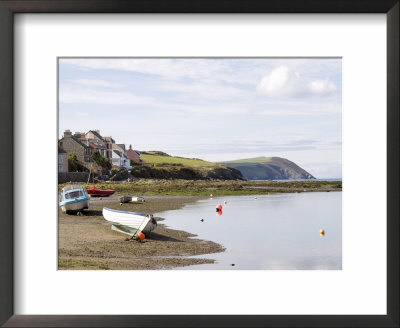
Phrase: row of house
pixel 83 145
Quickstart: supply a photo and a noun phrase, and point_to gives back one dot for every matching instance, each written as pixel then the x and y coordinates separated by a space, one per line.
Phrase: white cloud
pixel 322 87
pixel 284 82
pixel 97 83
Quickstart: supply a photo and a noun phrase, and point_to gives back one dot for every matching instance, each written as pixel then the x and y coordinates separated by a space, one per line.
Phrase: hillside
pixel 158 165
pixel 268 168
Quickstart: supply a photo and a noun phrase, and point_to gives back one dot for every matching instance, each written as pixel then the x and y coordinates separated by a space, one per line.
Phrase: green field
pixel 254 160
pixel 156 159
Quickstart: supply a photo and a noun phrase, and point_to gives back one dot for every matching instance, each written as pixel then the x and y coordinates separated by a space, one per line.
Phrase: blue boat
pixel 74 198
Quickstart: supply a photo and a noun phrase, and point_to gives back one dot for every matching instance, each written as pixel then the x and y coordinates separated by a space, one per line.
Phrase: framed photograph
pixel 118 113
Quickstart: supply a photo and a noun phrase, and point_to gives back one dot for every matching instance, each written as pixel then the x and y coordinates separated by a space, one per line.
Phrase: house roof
pixel 122 146
pixel 118 153
pixel 76 140
pixel 109 139
pixel 136 151
pixel 117 147
pixel 97 134
pixel 92 145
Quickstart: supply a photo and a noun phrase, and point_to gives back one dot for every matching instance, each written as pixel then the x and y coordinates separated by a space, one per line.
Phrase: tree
pixel 100 160
pixel 72 162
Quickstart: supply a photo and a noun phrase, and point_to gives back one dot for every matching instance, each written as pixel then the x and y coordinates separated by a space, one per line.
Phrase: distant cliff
pixel 268 168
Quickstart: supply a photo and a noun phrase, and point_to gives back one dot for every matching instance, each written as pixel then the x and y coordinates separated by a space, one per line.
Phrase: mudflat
pixel 88 243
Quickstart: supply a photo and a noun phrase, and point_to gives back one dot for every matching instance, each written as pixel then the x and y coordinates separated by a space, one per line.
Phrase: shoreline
pixel 88 243
pixel 153 187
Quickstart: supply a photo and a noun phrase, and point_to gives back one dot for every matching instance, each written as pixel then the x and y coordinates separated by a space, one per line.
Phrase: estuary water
pixel 266 232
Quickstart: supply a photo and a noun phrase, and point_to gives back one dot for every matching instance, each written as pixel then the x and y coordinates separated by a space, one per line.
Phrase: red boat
pixel 93 191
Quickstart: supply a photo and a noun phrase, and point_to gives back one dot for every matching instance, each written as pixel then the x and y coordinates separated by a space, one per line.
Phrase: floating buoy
pixel 141 236
pixel 218 208
pixel 255 197
pixel 202 220
pixel 211 195
pixel 322 232
pixel 225 202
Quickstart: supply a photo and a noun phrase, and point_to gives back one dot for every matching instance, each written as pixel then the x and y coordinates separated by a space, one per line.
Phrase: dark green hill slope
pixel 159 165
pixel 268 168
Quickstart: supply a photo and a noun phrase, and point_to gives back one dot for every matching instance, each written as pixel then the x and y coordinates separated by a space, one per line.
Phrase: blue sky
pixel 211 108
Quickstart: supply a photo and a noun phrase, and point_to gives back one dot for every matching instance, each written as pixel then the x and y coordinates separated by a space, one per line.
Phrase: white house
pixel 119 157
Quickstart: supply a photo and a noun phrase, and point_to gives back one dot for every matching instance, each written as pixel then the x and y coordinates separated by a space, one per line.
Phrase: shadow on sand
pixel 156 236
pixel 92 213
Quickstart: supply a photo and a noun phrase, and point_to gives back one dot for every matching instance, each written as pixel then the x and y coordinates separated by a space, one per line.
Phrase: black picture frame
pixel 10 7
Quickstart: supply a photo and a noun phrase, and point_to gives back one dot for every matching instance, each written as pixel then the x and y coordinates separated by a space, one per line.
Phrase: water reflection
pixel 280 231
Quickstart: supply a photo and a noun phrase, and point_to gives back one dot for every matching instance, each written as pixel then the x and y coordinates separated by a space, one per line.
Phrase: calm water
pixel 271 232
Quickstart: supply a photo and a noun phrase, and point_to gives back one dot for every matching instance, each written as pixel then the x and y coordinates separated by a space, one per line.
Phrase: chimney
pixel 77 135
pixel 67 133
pixel 130 146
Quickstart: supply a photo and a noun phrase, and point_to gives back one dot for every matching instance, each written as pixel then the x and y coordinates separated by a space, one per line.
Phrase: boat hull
pixel 129 223
pixel 131 199
pixel 75 206
pixel 95 192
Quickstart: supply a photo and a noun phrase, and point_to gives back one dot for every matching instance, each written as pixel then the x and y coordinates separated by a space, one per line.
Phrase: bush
pixel 73 163
pixel 100 160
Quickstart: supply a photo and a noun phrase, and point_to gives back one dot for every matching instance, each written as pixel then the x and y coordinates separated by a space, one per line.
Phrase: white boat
pixel 130 223
pixel 73 198
pixel 131 199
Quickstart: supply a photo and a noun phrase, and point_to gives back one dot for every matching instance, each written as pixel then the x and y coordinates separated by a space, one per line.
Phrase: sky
pixel 216 109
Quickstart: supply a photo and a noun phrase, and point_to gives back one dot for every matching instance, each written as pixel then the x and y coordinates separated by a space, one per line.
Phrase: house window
pixel 59 168
pixel 60 159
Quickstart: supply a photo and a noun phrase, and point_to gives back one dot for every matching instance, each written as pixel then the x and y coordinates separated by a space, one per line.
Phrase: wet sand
pixel 88 243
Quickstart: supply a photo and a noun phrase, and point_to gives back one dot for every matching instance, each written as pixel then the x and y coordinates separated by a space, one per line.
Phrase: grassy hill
pixel 166 159
pixel 159 165
pixel 253 160
pixel 268 168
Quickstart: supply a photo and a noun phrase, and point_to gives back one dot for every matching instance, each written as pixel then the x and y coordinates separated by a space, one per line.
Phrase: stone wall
pixel 64 177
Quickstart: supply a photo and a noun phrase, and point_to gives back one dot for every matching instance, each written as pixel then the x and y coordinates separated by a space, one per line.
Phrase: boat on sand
pixel 73 198
pixel 131 199
pixel 96 192
pixel 129 223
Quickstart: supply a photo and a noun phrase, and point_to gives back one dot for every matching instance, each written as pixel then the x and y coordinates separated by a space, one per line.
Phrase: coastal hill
pixel 268 168
pixel 159 165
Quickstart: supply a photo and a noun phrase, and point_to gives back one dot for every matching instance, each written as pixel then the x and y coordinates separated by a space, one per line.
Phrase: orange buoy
pixel 141 236
pixel 322 232
pixel 218 208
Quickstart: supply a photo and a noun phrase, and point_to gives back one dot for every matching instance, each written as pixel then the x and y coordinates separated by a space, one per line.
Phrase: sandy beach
pixel 88 243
